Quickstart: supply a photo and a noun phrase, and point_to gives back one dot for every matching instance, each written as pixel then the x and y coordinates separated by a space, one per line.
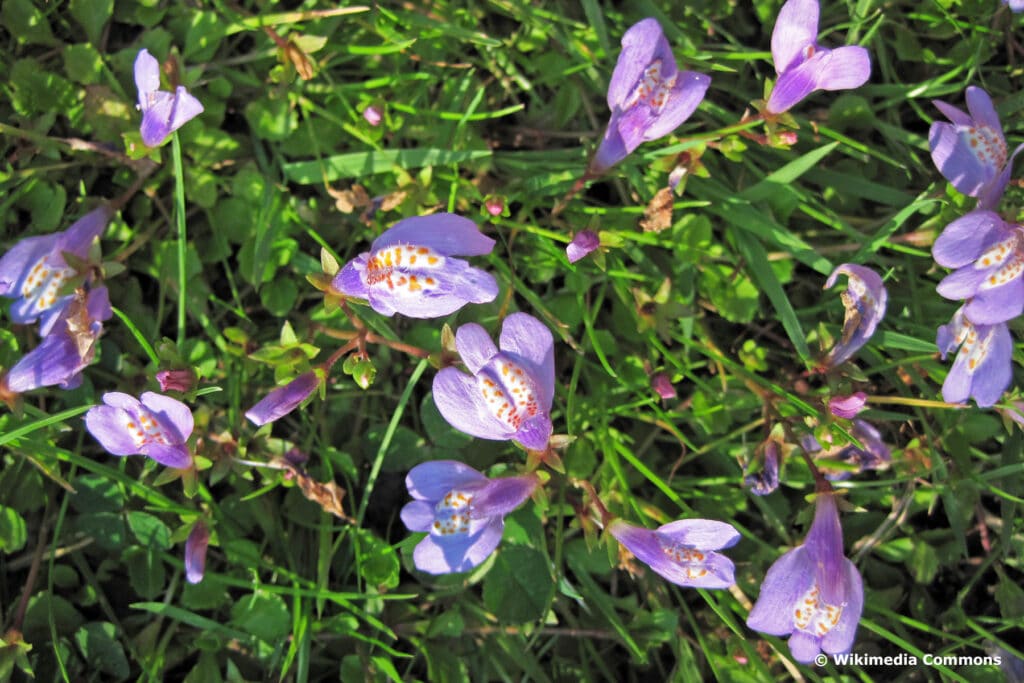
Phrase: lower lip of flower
pixel 508 392
pixel 401 266
pixel 452 514
pixel 43 283
pixel 814 616
pixel 690 560
pixel 145 429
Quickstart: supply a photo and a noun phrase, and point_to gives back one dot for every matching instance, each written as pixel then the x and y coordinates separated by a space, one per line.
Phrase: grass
pixel 207 264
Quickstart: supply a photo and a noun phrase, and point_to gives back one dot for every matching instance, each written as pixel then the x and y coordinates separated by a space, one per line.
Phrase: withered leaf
pixel 658 214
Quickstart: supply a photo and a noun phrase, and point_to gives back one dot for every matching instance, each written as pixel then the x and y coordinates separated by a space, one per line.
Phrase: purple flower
pixel 812 593
pixel 67 350
pixel 162 112
pixel 182 379
pixel 195 552
pixel 767 480
pixel 662 386
pixel 582 244
pixel 373 115
pixel 1015 6
pixel 804 66
pixel 971 151
pixel 988 254
pixel 408 269
pixel 284 400
pixel 983 366
pixel 34 270
pixel 847 406
pixel 865 299
pixel 463 512
pixel 682 552
pixel 649 97
pixel 509 393
pixel 153 425
pixel 874 455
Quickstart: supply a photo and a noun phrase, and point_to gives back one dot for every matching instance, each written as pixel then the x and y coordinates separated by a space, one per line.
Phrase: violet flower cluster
pixel 985 250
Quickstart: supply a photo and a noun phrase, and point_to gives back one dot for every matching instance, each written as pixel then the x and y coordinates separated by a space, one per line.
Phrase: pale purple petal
pixel 106 424
pixel 662 386
pixel 845 68
pixel 474 346
pixel 501 496
pixel 767 480
pixel 169 455
pixel 174 416
pixel 446 233
pixel 584 242
pixel 453 554
pixel 147 76
pixel 55 362
pixel 640 45
pixel 804 647
pixel 865 301
pixel 535 432
pixel 19 260
pixel 418 515
pixel 847 406
pixel 796 28
pixel 675 558
pixel 995 370
pixel 683 99
pixel 457 398
pixel 997 305
pixel 351 279
pixel 786 582
pixel 840 69
pixel 958 116
pixel 612 149
pixel 186 108
pixel 432 480
pixel 195 552
pixel 156 118
pixel 531 341
pixel 704 534
pixel 824 543
pixel 963 240
pixel 979 104
pixel 840 638
pixel 284 400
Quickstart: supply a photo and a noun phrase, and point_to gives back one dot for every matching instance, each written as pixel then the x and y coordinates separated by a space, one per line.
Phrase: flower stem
pixel 179 216
pixel 919 402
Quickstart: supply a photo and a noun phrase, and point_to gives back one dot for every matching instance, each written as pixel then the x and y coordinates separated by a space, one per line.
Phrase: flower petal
pixel 460 553
pixel 457 399
pixel 174 415
pixel 147 76
pixel 684 98
pixel 966 238
pixel 185 108
pixel 195 552
pixel 979 104
pixel 584 242
pixel 474 346
pixel 171 455
pixel 840 638
pixel 501 496
pixel 446 233
pixel 796 27
pixel 432 480
pixel 641 44
pixel 787 580
pixel 531 340
pixel 418 515
pixel 351 279
pixel 839 69
pixel 284 400
pixel 156 118
pixel 995 370
pixel 107 425
pixel 703 534
pixel 612 149
pixel 454 286
pixel 535 432
pixel 804 647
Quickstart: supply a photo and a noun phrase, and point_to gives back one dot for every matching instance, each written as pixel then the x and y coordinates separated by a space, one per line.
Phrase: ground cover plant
pixel 511 341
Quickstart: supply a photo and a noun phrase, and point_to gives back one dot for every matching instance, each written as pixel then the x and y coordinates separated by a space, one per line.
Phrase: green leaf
pixel 100 646
pixel 150 531
pixel 26 23
pixel 262 614
pixel 92 15
pixel 379 564
pixel 519 587
pixel 733 293
pixel 763 274
pixel 83 64
pixel 777 180
pixel 359 164
pixel 13 533
pixel 271 119
pixel 146 572
pixel 96 493
pixel 439 432
pixel 279 298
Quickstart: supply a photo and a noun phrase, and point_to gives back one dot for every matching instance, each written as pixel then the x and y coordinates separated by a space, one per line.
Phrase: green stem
pixel 179 216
